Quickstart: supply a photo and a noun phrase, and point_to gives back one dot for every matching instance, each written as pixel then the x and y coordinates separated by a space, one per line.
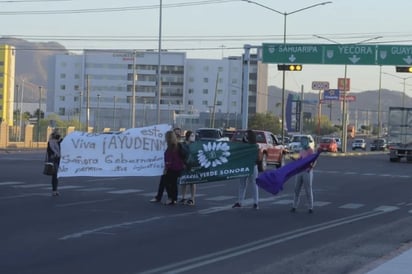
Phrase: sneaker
pixel 190 202
pixel 255 206
pixel 182 201
pixel 236 205
pixel 154 200
pixel 310 211
pixel 293 209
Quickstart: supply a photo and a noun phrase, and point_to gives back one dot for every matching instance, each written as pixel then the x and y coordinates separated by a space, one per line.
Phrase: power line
pixel 116 9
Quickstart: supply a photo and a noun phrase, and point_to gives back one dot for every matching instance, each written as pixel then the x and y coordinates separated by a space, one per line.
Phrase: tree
pixel 265 121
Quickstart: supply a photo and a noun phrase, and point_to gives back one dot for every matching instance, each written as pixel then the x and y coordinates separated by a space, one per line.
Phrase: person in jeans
pixel 304 178
pixel 53 156
pixel 251 139
pixel 189 139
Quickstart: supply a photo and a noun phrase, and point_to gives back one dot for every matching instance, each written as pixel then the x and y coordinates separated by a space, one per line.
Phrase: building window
pixel 62 75
pixel 234 81
pixel 205 91
pixel 62 111
pixel 219 91
pixel 234 92
pixel 76 87
pixel 205 80
pixel 191 80
pixel 205 103
pixel 62 98
pixel 63 87
pixel 218 103
pixel 191 91
pixel 190 102
pixel 206 68
pixel 76 76
pixel 63 64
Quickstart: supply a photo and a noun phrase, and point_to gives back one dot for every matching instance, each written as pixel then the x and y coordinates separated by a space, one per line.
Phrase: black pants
pixel 161 188
pixel 170 179
pixel 55 181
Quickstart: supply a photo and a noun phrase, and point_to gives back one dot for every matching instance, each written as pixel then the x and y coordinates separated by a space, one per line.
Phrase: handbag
pixel 49 169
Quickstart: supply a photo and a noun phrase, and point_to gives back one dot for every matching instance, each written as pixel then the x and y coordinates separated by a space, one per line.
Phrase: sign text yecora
pixel 134 152
pixel 211 161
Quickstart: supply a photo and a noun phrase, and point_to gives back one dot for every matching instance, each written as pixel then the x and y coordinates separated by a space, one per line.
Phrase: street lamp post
pixel 114 112
pixel 98 113
pixel 344 105
pixel 159 62
pixel 285 14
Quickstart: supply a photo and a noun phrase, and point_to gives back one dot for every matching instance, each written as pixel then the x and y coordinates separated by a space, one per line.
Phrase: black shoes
pixel 293 209
pixel 236 205
pixel 255 206
pixel 310 211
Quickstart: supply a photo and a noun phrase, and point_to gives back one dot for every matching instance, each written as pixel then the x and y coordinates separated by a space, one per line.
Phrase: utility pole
pixel 38 118
pixel 87 103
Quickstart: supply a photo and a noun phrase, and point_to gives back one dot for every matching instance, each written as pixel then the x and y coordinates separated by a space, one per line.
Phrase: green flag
pixel 211 161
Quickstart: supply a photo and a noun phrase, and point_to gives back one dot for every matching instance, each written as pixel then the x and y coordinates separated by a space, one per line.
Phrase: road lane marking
pixel 352 206
pixel 229 253
pixel 30 186
pixel 125 191
pixel 83 203
pixel 24 196
pixel 10 183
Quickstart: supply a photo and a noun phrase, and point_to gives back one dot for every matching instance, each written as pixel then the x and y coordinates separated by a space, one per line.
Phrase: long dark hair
pixel 251 136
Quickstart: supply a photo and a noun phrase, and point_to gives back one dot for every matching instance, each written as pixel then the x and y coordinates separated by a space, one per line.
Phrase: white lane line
pixel 220 198
pixel 351 206
pixel 31 186
pixel 229 253
pixel 102 229
pixel 84 203
pixel 95 189
pixel 125 191
pixel 69 187
pixel 319 203
pixel 10 183
pixel 24 196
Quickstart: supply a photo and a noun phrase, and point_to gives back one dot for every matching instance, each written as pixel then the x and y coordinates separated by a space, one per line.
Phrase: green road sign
pixel 350 54
pixel 398 55
pixel 292 53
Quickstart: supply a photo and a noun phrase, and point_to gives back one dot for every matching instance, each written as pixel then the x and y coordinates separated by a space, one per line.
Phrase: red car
pixel 271 150
pixel 328 144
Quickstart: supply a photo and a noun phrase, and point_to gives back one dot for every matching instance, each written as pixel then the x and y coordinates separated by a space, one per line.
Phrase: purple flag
pixel 272 181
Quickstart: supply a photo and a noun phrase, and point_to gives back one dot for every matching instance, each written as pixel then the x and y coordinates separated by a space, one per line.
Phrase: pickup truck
pixel 210 134
pixel 271 151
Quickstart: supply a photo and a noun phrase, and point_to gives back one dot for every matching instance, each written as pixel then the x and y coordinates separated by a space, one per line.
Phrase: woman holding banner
pixel 250 138
pixel 304 178
pixel 53 156
pixel 189 139
pixel 174 165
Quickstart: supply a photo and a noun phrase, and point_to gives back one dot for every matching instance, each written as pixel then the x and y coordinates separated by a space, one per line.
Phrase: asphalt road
pixel 363 207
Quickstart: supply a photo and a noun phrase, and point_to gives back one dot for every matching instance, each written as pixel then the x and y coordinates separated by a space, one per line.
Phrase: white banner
pixel 134 152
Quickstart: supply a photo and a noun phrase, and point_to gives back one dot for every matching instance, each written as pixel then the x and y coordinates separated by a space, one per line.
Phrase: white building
pixel 97 88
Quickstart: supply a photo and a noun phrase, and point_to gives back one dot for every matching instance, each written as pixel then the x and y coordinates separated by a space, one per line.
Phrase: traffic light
pixel 290 67
pixel 404 69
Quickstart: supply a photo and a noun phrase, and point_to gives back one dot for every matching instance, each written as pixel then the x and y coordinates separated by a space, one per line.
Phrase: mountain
pixel 32 62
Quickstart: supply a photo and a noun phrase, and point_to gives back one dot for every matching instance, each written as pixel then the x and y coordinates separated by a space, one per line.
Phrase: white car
pixel 295 145
pixel 359 144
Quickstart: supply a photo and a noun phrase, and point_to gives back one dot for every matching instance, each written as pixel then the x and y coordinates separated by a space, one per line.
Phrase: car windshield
pixel 298 139
pixel 359 141
pixel 326 140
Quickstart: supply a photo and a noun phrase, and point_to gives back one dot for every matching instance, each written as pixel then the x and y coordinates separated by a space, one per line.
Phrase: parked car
pixel 295 145
pixel 271 151
pixel 359 144
pixel 210 134
pixel 379 144
pixel 339 143
pixel 328 144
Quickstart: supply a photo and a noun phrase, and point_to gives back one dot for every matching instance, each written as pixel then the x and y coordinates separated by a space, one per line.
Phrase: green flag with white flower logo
pixel 211 161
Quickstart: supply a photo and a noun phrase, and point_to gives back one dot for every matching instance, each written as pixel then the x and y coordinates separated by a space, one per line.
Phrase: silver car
pixel 359 144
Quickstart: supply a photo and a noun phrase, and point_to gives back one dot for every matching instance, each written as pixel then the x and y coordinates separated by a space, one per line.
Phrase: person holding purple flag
pixel 250 138
pixel 304 178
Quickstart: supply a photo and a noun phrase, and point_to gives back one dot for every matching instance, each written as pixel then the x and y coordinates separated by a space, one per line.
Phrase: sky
pixel 213 29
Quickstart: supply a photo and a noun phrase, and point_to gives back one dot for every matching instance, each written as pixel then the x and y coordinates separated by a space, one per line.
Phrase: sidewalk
pixel 401 263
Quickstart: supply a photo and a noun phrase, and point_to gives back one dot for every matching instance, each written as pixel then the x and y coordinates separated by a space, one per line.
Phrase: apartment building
pixel 7 83
pixel 97 88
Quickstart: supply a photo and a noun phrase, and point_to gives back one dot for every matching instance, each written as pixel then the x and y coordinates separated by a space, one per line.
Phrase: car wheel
pixel 281 162
pixel 264 162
